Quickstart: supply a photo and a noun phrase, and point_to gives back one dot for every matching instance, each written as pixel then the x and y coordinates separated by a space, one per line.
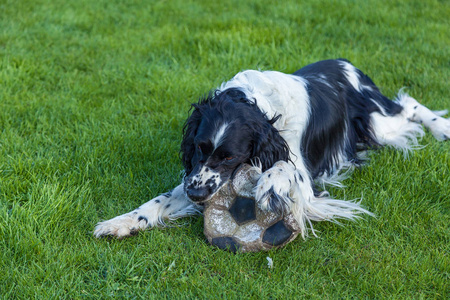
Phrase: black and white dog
pixel 299 129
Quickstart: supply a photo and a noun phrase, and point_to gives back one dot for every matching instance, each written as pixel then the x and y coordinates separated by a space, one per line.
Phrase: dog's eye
pixel 229 158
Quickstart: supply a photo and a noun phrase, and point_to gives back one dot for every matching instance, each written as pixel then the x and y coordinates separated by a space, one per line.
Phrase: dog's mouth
pixel 202 194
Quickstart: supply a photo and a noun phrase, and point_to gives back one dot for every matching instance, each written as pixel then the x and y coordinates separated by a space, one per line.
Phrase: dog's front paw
pixel 121 226
pixel 440 128
pixel 273 189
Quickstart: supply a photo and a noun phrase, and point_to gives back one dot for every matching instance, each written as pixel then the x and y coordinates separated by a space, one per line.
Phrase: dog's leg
pixel 432 120
pixel 168 206
pixel 285 188
pixel 273 191
pixel 401 130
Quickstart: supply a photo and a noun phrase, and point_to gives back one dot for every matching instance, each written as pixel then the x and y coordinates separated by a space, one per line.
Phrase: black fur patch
pixel 168 194
pixel 277 204
pixel 143 218
pixel 299 177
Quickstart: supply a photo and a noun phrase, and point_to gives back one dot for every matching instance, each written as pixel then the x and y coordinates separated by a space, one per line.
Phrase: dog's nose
pixel 197 194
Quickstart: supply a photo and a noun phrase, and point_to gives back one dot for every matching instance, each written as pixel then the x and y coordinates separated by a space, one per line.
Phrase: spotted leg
pixel 416 112
pixel 273 191
pixel 168 206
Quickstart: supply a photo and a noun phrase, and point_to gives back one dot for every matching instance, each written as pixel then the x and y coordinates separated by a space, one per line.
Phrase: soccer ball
pixel 234 221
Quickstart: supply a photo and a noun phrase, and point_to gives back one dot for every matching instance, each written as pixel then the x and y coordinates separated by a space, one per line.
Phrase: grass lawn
pixel 93 96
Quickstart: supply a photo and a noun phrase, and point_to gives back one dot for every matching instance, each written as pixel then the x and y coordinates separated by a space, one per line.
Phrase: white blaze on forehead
pixel 218 138
pixel 352 75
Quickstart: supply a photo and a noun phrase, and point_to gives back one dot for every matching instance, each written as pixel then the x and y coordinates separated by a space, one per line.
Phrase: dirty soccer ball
pixel 234 221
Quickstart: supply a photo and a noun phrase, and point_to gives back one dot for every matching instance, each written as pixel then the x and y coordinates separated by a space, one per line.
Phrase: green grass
pixel 93 96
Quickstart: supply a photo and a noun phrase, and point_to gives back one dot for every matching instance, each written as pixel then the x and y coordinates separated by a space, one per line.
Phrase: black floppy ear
pixel 187 150
pixel 268 145
pixel 187 144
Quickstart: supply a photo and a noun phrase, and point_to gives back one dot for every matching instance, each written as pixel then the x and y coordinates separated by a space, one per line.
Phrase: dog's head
pixel 225 130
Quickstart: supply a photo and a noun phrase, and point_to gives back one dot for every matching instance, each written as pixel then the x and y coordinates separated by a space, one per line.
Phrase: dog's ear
pixel 187 150
pixel 190 128
pixel 268 145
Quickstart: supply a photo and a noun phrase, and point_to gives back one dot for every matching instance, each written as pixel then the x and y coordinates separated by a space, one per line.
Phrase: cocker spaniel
pixel 301 131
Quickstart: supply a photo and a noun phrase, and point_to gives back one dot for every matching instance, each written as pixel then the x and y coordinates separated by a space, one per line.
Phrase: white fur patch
pixel 218 138
pixel 396 131
pixel 381 108
pixel 351 75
